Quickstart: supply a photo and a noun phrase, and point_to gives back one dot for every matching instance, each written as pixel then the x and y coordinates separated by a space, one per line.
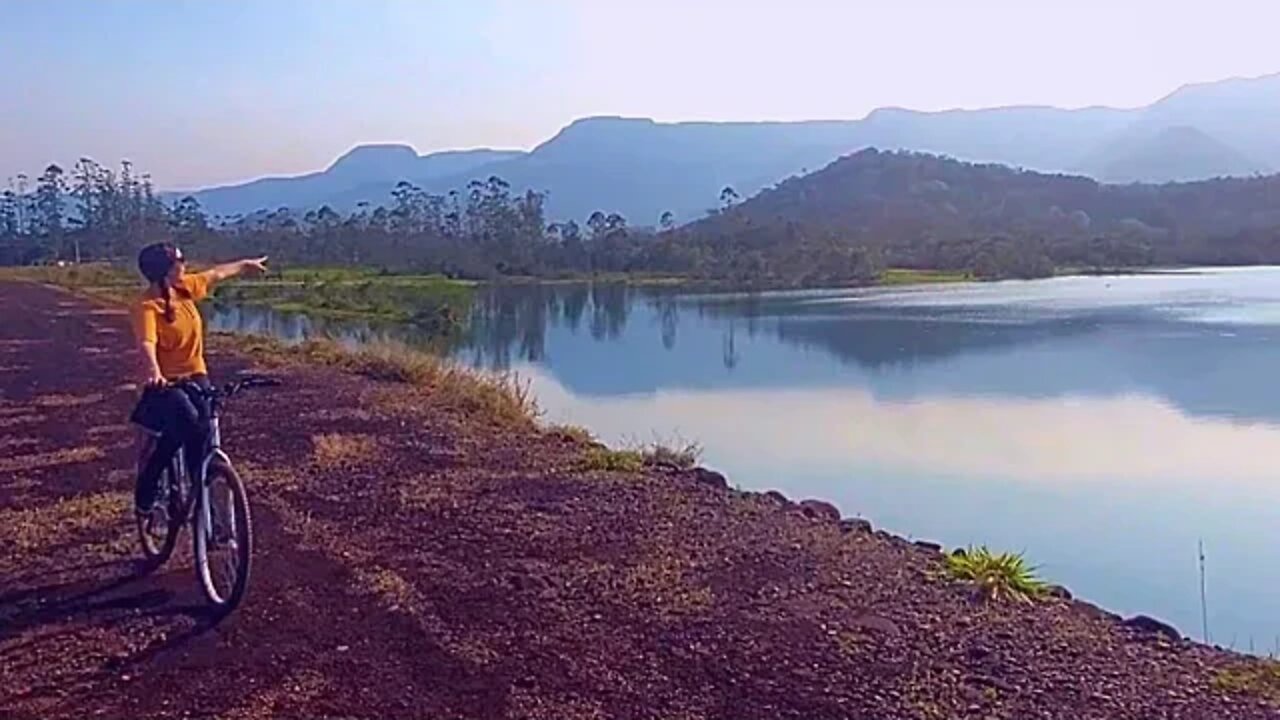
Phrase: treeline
pixel 91 213
pixel 841 225
pixel 922 211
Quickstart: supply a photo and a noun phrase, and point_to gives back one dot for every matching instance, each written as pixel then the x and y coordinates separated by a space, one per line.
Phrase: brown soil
pixel 416 562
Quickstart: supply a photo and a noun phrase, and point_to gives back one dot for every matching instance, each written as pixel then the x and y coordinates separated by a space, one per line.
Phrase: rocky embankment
pixel 419 556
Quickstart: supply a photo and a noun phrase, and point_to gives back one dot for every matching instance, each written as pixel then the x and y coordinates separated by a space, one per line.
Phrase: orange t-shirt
pixel 179 344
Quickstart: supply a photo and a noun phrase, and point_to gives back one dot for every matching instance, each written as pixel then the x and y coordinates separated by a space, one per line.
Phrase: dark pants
pixel 180 415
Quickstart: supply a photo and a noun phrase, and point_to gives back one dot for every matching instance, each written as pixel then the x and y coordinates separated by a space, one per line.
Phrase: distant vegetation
pixel 927 217
pixel 436 304
pixel 909 210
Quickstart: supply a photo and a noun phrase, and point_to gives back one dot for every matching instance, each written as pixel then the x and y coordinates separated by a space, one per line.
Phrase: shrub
pixel 680 454
pixel 997 576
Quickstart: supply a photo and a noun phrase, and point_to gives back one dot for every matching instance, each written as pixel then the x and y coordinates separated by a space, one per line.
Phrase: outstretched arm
pixel 226 271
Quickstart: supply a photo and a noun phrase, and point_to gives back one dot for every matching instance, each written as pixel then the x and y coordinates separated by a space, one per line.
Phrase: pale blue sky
pixel 223 90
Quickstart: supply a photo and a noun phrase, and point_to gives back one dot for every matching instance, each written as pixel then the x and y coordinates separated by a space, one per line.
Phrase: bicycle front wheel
pixel 223 537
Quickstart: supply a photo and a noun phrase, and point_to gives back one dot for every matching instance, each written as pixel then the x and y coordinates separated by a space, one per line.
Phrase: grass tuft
pixel 391 587
pixel 634 457
pixel 681 454
pixel 338 449
pixel 997 576
pixel 1259 678
pixel 576 433
pixel 607 460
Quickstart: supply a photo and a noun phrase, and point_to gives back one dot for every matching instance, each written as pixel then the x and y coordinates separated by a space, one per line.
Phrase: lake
pixel 1102 425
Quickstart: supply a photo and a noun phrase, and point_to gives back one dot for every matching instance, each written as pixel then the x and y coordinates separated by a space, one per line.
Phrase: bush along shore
pixel 430 548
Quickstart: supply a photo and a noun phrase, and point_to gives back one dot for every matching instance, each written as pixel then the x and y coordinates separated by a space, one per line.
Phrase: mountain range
pixel 642 168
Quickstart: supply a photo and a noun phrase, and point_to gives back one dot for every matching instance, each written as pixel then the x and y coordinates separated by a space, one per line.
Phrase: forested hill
pixel 842 225
pixel 923 210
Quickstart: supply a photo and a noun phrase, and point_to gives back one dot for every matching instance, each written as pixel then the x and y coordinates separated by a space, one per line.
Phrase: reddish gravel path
pixel 417 562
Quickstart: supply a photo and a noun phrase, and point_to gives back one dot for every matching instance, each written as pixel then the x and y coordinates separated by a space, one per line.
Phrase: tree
pixel 9 226
pixel 24 210
pixel 86 192
pixel 50 192
pixel 728 196
pixel 615 224
pixel 596 223
pixel 189 222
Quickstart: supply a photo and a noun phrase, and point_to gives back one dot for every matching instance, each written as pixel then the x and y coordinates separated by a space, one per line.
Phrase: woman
pixel 170 334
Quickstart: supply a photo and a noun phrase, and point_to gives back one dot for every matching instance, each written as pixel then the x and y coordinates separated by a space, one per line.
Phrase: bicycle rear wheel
pixel 158 530
pixel 223 537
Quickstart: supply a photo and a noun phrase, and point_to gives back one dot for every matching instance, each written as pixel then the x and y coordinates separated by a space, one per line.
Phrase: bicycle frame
pixel 212 452
pixel 191 477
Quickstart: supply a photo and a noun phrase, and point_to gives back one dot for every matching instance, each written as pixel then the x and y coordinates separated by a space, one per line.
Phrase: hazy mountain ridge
pixel 642 168
pixel 1170 154
pixel 362 166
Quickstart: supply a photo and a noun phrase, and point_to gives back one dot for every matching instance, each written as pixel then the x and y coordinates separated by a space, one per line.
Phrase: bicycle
pixel 214 502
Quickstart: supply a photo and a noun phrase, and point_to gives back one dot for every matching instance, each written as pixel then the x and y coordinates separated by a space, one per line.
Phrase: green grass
pixel 340 275
pixel 1260 678
pixel 433 302
pixel 997 576
pixel 608 460
pixel 635 458
pixel 906 276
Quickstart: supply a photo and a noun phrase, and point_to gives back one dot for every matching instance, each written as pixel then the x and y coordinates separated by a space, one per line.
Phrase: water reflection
pixel 1103 425
pixel 1166 339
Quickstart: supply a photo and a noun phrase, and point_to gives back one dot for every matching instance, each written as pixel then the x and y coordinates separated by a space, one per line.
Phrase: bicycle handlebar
pixel 247 382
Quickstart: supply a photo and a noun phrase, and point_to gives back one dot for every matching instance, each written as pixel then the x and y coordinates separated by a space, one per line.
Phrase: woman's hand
pixel 248 266
pixel 155 379
pixel 254 266
pixel 151 375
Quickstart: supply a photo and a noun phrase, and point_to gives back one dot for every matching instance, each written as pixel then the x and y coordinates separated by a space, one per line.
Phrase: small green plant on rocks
pixel 997 576
pixel 599 458
pixel 1259 678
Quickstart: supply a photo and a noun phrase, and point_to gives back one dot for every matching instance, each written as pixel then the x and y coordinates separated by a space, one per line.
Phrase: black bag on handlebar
pixel 167 409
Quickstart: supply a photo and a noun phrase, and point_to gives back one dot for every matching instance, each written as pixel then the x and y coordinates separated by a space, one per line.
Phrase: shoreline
pixel 409 507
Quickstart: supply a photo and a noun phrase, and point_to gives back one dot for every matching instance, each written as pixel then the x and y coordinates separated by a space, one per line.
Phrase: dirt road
pixel 415 561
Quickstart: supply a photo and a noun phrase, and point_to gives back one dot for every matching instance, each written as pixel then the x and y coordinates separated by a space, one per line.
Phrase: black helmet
pixel 156 260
